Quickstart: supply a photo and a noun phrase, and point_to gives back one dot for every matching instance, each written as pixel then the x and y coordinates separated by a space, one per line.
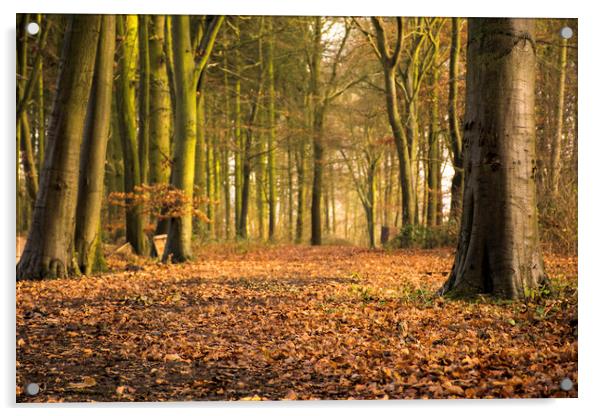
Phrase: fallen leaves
pixel 290 323
pixel 86 383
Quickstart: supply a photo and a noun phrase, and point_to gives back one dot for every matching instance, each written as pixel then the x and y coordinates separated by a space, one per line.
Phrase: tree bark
pixel 160 110
pixel 390 63
pixel 271 137
pixel 127 29
pixel 317 106
pixel 49 250
pixel 434 156
pixel 94 150
pixel 178 246
pixel 144 97
pixel 555 165
pixel 498 249
pixel 454 124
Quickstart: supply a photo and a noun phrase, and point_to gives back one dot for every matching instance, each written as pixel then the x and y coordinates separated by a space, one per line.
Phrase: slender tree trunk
pixel 248 142
pixel 144 97
pixel 333 200
pixel 272 136
pixel 178 246
pixel 201 168
pixel 216 179
pixel 238 159
pixel 260 179
pixel 28 158
pixel 114 168
pixel 434 156
pixel 49 249
pixel 41 115
pixel 403 154
pixel 226 158
pixel 289 171
pixel 498 250
pixel 555 165
pixel 454 124
pixel 160 110
pixel 208 165
pixel 318 108
pixel 300 162
pixel 370 202
pixel 316 190
pixel 126 108
pixel 94 149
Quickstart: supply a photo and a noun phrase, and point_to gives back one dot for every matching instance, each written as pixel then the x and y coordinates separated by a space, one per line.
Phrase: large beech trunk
pixel 498 250
pixel 49 249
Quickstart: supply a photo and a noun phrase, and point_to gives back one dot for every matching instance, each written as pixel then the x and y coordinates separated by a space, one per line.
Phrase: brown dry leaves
pixel 290 323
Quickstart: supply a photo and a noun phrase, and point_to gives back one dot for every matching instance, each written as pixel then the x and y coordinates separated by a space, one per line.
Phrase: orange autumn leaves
pixel 248 322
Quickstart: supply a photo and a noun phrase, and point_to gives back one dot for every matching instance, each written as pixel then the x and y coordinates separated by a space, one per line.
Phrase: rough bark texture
pixel 49 252
pixel 94 149
pixel 498 250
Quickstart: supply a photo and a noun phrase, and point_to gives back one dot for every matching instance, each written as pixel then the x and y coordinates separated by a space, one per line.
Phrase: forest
pixel 295 208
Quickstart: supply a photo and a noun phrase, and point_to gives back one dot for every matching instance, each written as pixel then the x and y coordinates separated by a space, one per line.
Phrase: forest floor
pixel 248 322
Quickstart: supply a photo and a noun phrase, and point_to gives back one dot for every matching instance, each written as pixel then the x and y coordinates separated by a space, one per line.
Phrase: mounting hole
pixel 33 28
pixel 566 32
pixel 32 389
pixel 566 384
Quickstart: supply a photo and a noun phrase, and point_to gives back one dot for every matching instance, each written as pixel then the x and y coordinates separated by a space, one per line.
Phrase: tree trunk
pixel 498 249
pixel 316 190
pixel 126 108
pixel 160 110
pixel 94 149
pixel 28 158
pixel 144 97
pixel 271 137
pixel 201 168
pixel 226 153
pixel 318 108
pixel 434 157
pixel 238 158
pixel 41 114
pixel 454 124
pixel 178 246
pixel 300 162
pixel 49 252
pixel 555 165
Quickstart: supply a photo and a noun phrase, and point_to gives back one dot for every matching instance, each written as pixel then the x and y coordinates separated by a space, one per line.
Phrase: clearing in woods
pixel 248 322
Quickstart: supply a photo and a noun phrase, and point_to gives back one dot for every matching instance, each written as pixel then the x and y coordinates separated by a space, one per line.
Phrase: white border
pixel 590 154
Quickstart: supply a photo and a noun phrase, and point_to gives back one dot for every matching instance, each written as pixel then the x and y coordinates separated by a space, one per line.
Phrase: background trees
pixel 284 129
